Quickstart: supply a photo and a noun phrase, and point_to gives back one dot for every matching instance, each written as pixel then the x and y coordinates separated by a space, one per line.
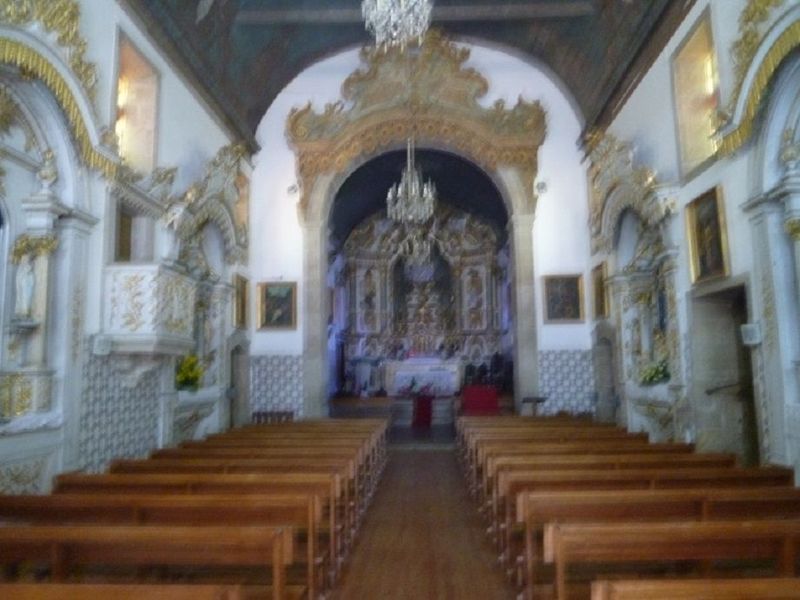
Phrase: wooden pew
pixel 536 509
pixel 511 483
pixel 118 591
pixel 543 462
pixel 302 512
pixel 584 447
pixel 351 501
pixel 570 545
pixel 327 487
pixel 698 589
pixel 66 547
pixel 209 462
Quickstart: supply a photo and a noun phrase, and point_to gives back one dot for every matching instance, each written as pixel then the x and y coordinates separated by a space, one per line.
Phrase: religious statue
pixel 25 283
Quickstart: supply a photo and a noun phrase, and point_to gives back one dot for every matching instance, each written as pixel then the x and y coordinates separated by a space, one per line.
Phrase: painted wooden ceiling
pixel 242 53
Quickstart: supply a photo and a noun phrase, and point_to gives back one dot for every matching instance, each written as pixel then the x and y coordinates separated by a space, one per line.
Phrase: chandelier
pixel 396 22
pixel 411 201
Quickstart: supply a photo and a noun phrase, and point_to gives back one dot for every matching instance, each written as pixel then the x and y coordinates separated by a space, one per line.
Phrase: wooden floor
pixel 422 537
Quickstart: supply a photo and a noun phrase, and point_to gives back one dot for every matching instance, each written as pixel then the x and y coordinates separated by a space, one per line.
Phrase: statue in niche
pixel 474 299
pixel 369 293
pixel 25 284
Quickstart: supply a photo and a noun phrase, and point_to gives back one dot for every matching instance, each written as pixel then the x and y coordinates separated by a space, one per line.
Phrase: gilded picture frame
pixel 706 232
pixel 563 299
pixel 277 305
pixel 240 301
pixel 600 303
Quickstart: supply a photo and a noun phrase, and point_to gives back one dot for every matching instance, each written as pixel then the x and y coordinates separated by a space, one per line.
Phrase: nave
pixel 422 537
pixel 544 507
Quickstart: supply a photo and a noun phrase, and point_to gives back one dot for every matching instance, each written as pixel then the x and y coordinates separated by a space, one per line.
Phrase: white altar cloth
pixel 434 376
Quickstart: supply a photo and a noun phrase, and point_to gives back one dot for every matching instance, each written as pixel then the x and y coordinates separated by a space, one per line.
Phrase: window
pixel 134 236
pixel 696 97
pixel 137 94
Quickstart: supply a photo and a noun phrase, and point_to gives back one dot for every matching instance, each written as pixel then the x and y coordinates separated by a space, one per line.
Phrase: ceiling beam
pixel 485 12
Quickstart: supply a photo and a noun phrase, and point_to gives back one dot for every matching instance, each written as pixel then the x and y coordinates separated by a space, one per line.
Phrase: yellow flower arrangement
pixel 188 373
pixel 655 373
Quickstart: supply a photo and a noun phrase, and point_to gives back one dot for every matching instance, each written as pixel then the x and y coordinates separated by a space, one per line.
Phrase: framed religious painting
pixel 600 291
pixel 707 237
pixel 277 305
pixel 240 301
pixel 563 298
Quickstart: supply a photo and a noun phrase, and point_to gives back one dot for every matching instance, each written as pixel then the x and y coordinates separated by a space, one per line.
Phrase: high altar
pixel 411 327
pixel 433 376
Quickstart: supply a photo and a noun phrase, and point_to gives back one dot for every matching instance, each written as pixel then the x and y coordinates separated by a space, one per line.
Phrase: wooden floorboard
pixel 422 537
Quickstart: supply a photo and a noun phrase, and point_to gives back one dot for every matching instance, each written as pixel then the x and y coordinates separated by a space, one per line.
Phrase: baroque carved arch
pixel 214 200
pixel 26 44
pixel 766 37
pixel 432 84
pixel 617 185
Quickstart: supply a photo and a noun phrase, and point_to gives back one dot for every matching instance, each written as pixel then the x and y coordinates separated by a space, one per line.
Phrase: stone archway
pixel 443 96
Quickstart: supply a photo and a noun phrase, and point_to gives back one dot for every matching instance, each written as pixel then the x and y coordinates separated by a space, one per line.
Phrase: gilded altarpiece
pixel 446 309
pixel 644 307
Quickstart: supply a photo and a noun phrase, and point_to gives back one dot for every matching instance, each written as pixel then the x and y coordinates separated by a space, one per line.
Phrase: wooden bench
pixel 698 589
pixel 327 487
pixel 351 503
pixel 536 509
pixel 613 545
pixel 302 512
pixel 353 495
pixel 511 483
pixel 585 447
pixel 63 548
pixel 543 462
pixel 118 591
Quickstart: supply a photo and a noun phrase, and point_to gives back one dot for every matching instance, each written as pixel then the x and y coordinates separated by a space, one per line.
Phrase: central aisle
pixel 422 537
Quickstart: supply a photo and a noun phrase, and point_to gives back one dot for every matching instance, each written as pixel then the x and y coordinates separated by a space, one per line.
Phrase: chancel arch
pixel 440 107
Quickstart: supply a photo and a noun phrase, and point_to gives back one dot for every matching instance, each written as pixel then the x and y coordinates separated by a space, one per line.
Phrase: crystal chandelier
pixel 411 201
pixel 396 22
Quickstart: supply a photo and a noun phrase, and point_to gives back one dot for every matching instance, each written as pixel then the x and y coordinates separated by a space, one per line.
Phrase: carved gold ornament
pixel 16 395
pixel 744 49
pixel 34 246
pixel 22 478
pixel 793 229
pixel 378 99
pixel 24 57
pixel 61 17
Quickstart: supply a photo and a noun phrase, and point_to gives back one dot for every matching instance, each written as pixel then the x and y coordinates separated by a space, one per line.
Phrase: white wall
pixel 560 233
pixel 188 135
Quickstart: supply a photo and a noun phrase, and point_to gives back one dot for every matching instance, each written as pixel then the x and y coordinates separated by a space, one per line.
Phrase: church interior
pixel 446 283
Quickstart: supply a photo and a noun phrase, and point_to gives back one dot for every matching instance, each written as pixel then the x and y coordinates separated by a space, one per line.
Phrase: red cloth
pixel 479 400
pixel 423 411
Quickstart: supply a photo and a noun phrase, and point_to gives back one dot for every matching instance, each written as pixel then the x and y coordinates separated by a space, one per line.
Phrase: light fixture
pixel 411 201
pixel 396 22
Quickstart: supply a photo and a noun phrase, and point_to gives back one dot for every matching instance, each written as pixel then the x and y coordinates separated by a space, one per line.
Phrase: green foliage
pixel 655 373
pixel 188 373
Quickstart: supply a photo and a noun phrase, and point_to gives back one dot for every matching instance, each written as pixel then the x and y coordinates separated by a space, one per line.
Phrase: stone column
pixel 315 325
pixel 70 326
pixel 526 348
pixel 775 308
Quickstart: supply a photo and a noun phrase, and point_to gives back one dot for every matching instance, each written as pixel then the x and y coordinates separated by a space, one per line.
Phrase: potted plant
pixel 188 373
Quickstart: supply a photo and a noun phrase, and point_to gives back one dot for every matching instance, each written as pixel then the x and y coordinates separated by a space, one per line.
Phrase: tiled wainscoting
pixel 119 418
pixel 276 383
pixel 566 377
